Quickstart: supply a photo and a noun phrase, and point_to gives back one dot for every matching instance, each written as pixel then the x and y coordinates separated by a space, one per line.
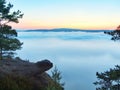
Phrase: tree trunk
pixel 1 54
pixel 118 86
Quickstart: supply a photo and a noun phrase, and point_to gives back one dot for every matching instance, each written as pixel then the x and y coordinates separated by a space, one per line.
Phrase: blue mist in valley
pixel 77 54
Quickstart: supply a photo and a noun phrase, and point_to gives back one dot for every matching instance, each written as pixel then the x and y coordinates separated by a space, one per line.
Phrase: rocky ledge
pixel 34 73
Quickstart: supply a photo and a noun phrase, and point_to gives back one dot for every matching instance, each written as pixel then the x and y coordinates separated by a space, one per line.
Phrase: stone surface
pixel 20 67
pixel 35 72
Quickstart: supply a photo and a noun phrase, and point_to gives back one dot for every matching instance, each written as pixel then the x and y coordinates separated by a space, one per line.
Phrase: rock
pixel 44 64
pixel 20 67
pixel 35 72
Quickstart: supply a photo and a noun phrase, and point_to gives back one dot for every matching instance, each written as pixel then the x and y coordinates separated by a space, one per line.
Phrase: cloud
pixel 75 58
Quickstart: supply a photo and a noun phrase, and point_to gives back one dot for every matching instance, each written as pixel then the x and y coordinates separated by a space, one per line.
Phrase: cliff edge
pixel 24 75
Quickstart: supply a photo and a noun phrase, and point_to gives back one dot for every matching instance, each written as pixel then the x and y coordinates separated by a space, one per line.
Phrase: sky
pixel 79 14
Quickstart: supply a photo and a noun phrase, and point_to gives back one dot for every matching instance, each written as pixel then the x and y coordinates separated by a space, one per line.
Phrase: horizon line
pixel 60 28
pixel 57 28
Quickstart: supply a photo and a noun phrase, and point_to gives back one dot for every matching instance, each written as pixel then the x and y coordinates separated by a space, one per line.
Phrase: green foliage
pixel 56 84
pixel 15 83
pixel 109 79
pixel 8 36
pixel 115 34
pixel 6 15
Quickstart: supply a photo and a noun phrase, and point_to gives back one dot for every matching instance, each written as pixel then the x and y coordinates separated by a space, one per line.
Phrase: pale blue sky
pixel 83 14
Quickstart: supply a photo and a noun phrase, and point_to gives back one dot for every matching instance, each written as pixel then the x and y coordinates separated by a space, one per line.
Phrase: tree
pixel 115 34
pixel 8 40
pixel 109 80
pixel 56 77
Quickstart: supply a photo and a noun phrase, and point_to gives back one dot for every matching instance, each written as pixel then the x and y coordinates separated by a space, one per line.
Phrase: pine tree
pixel 115 34
pixel 8 40
pixel 56 76
pixel 109 80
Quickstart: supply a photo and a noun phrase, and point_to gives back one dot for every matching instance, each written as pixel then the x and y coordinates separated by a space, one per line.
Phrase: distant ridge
pixel 61 30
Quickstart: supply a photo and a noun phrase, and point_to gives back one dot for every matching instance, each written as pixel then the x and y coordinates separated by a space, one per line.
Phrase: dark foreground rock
pixel 32 74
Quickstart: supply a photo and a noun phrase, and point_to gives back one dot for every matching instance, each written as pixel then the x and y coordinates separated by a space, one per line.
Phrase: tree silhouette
pixel 8 40
pixel 56 78
pixel 109 80
pixel 115 34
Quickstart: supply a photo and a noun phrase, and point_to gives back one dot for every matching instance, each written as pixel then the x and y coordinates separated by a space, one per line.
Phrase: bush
pixel 15 83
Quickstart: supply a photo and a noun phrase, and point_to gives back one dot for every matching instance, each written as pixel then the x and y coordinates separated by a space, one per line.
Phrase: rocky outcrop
pixel 44 65
pixel 35 72
pixel 24 68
